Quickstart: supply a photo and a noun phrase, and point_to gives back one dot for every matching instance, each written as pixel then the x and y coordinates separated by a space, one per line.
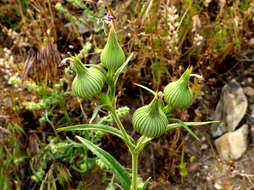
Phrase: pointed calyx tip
pixel 112 56
pixel 177 93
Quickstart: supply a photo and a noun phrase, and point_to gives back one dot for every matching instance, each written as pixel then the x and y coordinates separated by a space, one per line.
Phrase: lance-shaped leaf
pixel 172 126
pixel 186 124
pixel 116 168
pixel 120 69
pixel 96 127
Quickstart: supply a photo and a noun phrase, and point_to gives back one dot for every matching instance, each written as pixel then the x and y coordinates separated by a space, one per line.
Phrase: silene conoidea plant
pixel 151 120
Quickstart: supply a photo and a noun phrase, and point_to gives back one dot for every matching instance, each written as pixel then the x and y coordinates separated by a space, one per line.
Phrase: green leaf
pixel 140 146
pixel 177 125
pixel 146 88
pixel 186 124
pixel 119 186
pixel 120 69
pixel 95 112
pixel 100 127
pixel 190 131
pixel 145 184
pixel 173 126
pixel 199 123
pixel 116 168
pixel 106 101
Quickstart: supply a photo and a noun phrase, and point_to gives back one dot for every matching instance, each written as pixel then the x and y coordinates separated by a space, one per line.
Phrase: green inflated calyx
pixel 150 120
pixel 112 56
pixel 88 81
pixel 178 94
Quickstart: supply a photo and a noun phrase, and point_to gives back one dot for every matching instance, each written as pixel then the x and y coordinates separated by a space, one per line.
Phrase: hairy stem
pixel 121 127
pixel 134 171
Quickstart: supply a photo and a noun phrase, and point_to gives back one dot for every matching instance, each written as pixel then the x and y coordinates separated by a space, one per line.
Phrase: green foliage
pixel 182 166
pixel 243 4
pixel 56 153
pixel 95 127
pixel 115 166
pixel 158 69
pixel 88 15
pixel 67 14
pixel 51 100
pixel 12 157
pixel 24 4
pixel 77 3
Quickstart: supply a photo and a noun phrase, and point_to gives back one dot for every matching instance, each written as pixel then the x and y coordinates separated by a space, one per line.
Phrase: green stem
pixel 127 140
pixel 134 171
pixel 139 143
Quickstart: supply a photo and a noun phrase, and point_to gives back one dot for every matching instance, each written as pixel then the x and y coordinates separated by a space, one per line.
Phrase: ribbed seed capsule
pixel 150 120
pixel 178 94
pixel 112 56
pixel 88 82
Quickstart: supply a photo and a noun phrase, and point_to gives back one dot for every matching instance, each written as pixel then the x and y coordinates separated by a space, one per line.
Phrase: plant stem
pixel 134 171
pixel 121 127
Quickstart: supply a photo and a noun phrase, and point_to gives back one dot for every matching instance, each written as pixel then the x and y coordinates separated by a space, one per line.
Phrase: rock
pixel 248 91
pixel 251 41
pixel 232 145
pixel 252 107
pixel 217 186
pixel 203 138
pixel 252 111
pixel 252 114
pixel 204 147
pixel 250 80
pixel 230 110
pixel 4 133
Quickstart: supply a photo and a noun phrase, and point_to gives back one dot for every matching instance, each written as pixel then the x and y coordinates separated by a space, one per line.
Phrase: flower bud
pixel 150 120
pixel 112 56
pixel 88 82
pixel 178 94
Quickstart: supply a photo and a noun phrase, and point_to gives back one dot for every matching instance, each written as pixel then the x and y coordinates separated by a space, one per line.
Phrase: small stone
pixel 203 147
pixel 252 131
pixel 217 186
pixel 251 41
pixel 232 145
pixel 248 91
pixel 3 133
pixel 252 107
pixel 208 178
pixel 230 110
pixel 252 114
pixel 250 80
